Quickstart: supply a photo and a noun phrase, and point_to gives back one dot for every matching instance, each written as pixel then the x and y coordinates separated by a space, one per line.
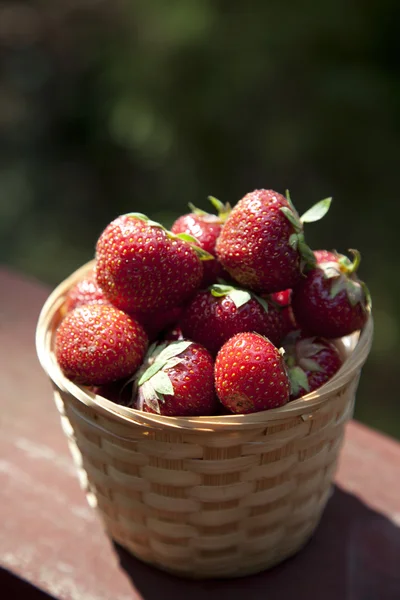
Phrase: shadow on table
pixel 14 588
pixel 320 570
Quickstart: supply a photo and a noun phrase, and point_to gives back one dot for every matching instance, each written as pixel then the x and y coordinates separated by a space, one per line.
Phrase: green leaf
pixel 197 211
pixel 330 269
pixel 172 362
pixel 289 214
pixel 306 252
pixel 150 372
pixel 223 210
pixel 158 348
pixel 288 198
pixel 294 241
pixel 194 244
pixel 337 286
pixel 309 364
pixel 162 384
pixel 217 204
pixel 354 292
pixel 298 380
pixel 261 301
pixel 172 349
pixel 218 290
pixel 316 212
pixel 239 297
pixel 186 237
pixel 150 397
pixel 308 347
pixel 146 219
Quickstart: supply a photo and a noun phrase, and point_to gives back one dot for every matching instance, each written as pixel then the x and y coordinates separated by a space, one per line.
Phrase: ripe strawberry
pixel 284 300
pixel 262 242
pixel 311 362
pixel 98 344
pixel 85 291
pixel 143 267
pixel 218 313
pixel 331 301
pixel 205 228
pixel 177 379
pixel 155 323
pixel 250 374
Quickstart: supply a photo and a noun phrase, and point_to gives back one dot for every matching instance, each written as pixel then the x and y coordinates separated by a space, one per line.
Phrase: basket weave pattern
pixel 205 497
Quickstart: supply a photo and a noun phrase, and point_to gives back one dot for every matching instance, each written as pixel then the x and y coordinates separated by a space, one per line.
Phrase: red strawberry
pixel 177 379
pixel 159 321
pixel 143 267
pixel 331 301
pixel 284 300
pixel 98 344
pixel 85 291
pixel 262 242
pixel 217 314
pixel 322 256
pixel 117 391
pixel 205 228
pixel 250 374
pixel 311 362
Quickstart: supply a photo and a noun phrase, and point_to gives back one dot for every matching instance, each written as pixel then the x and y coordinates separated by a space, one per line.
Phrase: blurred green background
pixel 109 106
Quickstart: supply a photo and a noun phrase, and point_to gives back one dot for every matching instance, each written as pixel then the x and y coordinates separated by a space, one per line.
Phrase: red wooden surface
pixel 50 537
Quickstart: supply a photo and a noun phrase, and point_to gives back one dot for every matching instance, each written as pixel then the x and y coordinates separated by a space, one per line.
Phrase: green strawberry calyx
pixel 239 296
pixel 223 211
pixel 297 240
pixel 298 380
pixel 343 274
pixel 299 359
pixel 185 237
pixel 152 382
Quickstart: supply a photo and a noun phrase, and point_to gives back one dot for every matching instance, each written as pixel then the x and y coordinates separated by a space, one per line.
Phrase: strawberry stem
pixel 197 211
pixel 356 262
pixel 222 209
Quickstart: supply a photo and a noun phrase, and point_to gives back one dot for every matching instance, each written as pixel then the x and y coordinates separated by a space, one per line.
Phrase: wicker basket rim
pixel 356 347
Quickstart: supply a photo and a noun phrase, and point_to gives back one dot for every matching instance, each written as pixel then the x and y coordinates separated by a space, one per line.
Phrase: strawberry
pixel 177 379
pixel 98 344
pixel 85 291
pixel 283 299
pixel 205 228
pixel 250 374
pixel 323 256
pixel 311 362
pixel 116 391
pixel 156 322
pixel 262 245
pixel 142 267
pixel 218 313
pixel 173 334
pixel 331 301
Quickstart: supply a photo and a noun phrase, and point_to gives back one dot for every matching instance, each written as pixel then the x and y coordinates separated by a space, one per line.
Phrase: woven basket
pixel 206 496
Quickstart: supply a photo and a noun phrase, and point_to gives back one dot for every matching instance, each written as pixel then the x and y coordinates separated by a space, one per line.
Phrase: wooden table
pixel 52 543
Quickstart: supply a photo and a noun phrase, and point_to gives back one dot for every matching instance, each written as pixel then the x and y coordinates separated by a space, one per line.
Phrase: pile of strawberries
pixel 227 313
